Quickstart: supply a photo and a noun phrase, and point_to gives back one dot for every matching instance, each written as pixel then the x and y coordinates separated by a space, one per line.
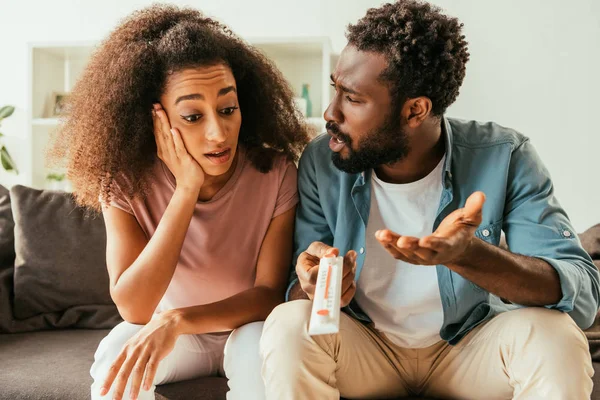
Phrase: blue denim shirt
pixel 334 209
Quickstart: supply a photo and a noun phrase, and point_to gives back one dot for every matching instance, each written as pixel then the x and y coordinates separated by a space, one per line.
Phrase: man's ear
pixel 416 110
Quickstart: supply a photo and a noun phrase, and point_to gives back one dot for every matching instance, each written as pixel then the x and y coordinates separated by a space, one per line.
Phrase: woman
pixel 198 202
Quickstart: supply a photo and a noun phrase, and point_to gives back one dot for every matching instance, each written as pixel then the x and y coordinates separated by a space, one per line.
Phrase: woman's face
pixel 202 104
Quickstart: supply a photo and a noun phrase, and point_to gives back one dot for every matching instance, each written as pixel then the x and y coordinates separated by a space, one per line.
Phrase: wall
pixel 533 65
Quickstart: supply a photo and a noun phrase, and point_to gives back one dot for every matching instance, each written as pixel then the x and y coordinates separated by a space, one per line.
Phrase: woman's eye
pixel 228 110
pixel 351 100
pixel 192 118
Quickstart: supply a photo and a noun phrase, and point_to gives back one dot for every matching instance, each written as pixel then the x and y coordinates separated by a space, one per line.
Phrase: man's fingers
pixel 310 275
pixel 407 243
pixel 320 250
pixel 349 263
pixel 347 282
pixel 472 211
pixel 348 295
pixel 386 236
pixel 426 256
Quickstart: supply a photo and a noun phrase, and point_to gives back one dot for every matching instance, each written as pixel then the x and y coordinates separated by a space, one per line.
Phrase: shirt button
pixel 485 233
pixel 567 234
pixel 362 250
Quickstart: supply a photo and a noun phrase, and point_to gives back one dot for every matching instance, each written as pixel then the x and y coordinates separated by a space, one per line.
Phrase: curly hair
pixel 108 130
pixel 425 49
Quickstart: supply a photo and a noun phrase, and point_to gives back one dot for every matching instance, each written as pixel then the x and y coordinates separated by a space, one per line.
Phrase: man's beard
pixel 386 144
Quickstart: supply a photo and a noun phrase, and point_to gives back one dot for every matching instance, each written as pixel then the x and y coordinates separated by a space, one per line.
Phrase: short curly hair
pixel 108 129
pixel 425 49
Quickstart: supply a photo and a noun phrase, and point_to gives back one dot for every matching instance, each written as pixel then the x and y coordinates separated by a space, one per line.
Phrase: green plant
pixel 55 177
pixel 5 158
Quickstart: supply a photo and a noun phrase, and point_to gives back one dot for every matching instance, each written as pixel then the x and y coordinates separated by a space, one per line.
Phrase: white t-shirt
pixel 403 300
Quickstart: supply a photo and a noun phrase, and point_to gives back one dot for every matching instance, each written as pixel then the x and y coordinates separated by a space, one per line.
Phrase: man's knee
pixel 545 327
pixel 286 326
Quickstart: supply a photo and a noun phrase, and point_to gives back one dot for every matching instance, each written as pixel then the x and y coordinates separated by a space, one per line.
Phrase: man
pixel 435 308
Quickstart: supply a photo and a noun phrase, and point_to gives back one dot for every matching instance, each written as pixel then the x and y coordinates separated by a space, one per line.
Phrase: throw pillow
pixel 7 225
pixel 60 254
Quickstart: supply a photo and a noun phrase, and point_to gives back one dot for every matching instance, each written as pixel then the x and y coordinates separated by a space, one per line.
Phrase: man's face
pixel 363 121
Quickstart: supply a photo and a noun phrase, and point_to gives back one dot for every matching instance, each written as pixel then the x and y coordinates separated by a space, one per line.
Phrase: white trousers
pixel 234 355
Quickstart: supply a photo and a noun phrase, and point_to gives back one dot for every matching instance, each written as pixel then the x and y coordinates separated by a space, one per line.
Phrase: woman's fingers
pixel 180 149
pixel 162 133
pixel 123 376
pixel 137 374
pixel 158 136
pixel 112 373
pixel 151 368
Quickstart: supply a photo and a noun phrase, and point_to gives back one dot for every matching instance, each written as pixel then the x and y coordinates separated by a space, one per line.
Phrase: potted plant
pixel 56 181
pixel 5 158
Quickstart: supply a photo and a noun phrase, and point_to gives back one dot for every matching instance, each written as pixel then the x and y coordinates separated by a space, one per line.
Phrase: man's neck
pixel 427 147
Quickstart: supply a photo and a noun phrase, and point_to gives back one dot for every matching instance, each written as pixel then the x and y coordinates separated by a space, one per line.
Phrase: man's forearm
pixel 519 279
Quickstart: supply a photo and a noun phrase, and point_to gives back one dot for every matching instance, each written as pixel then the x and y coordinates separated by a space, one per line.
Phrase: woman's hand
pixel 171 150
pixel 141 356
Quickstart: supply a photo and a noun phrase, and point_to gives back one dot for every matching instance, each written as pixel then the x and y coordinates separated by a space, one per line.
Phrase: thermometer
pixel 325 314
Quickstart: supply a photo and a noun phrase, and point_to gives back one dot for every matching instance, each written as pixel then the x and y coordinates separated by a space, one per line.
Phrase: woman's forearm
pixel 251 305
pixel 140 287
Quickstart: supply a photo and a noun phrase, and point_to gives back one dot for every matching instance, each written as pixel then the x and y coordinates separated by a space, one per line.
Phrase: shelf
pixel 45 121
pixel 315 121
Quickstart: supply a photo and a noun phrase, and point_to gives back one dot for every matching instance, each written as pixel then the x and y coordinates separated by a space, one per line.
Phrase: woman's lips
pixel 219 157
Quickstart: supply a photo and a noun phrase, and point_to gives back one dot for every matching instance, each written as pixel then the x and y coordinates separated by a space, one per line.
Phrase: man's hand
pixel 447 245
pixel 307 269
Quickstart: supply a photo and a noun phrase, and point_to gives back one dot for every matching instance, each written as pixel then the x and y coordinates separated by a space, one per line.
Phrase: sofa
pixel 55 306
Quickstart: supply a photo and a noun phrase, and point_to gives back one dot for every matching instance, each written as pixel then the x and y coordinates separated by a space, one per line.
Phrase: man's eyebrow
pixel 344 89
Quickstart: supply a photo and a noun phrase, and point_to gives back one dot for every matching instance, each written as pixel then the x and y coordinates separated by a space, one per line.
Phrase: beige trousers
pixel 530 353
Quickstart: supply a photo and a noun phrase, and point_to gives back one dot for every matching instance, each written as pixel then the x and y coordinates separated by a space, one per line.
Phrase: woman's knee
pixel 110 347
pixel 243 341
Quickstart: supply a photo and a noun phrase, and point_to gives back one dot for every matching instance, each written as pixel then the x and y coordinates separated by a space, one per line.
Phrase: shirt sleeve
pixel 287 197
pixel 536 225
pixel 311 224
pixel 117 198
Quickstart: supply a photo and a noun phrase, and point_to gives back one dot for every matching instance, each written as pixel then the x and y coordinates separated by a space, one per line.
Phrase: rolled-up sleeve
pixel 311 224
pixel 536 225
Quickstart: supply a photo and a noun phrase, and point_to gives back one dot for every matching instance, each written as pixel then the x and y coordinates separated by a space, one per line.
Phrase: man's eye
pixel 351 100
pixel 228 110
pixel 192 118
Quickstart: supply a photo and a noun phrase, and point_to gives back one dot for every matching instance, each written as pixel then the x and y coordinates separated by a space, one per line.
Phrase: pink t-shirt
pixel 220 251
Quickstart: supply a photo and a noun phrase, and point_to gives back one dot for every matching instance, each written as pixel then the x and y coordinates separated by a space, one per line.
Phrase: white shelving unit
pixel 55 67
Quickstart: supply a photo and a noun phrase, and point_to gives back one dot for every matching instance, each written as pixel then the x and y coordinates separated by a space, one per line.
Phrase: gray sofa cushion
pixel 55 366
pixel 60 254
pixel 86 316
